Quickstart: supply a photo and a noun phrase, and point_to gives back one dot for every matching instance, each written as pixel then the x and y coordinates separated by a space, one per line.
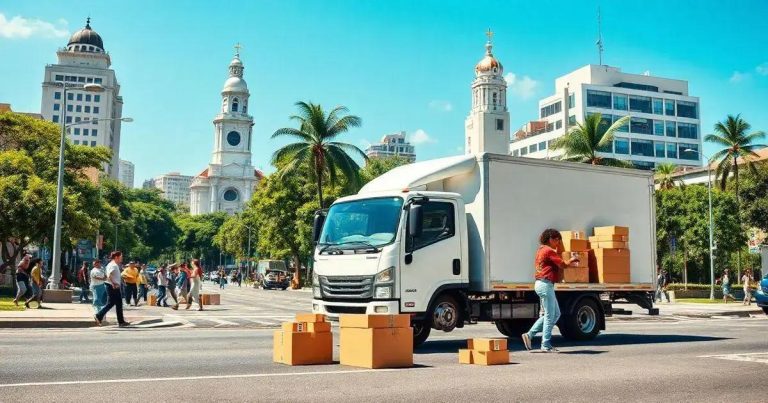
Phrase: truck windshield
pixel 369 222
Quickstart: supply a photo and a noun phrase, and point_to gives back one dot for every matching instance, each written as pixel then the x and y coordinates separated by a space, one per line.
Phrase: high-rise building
pixel 85 61
pixel 392 145
pixel 664 125
pixel 487 126
pixel 126 173
pixel 148 184
pixel 174 187
pixel 229 180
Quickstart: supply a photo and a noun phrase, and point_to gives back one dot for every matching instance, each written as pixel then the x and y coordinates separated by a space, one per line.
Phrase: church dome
pixel 489 63
pixel 235 84
pixel 86 36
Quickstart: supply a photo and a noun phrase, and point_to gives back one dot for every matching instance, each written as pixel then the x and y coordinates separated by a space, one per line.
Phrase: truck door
pixel 435 259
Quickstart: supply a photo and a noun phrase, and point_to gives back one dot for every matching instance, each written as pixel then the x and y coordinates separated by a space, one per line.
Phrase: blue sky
pixel 399 65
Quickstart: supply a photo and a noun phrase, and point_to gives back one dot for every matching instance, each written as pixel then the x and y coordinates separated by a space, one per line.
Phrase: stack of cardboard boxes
pixel 376 341
pixel 611 255
pixel 575 245
pixel 485 352
pixel 306 341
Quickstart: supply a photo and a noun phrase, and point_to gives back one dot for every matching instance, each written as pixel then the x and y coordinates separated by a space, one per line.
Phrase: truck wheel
pixel 446 313
pixel 584 323
pixel 765 309
pixel 514 327
pixel 421 331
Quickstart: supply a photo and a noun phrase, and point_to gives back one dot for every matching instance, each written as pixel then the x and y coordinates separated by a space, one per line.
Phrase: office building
pixel 174 187
pixel 126 173
pixel 392 145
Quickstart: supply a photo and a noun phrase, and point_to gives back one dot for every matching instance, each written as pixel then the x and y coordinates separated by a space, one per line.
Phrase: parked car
pixel 276 279
pixel 761 295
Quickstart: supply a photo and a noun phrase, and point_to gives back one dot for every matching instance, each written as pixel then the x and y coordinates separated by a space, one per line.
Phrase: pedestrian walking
pixel 182 282
pixel 143 283
pixel 22 279
pixel 98 286
pixel 113 289
pixel 162 285
pixel 36 282
pixel 725 282
pixel 171 288
pixel 239 278
pixel 195 278
pixel 547 266
pixel 661 285
pixel 746 282
pixel 222 278
pixel 130 276
pixel 83 276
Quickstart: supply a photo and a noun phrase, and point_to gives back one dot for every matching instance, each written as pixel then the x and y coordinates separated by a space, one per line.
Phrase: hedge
pixel 692 286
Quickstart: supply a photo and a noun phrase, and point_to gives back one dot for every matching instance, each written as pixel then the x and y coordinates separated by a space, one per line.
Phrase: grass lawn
pixel 6 304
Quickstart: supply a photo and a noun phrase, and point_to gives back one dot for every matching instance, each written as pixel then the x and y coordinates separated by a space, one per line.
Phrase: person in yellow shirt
pixel 130 277
pixel 143 282
pixel 36 283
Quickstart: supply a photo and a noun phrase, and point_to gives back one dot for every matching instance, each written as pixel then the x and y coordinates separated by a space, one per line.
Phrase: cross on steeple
pixel 489 34
pixel 238 46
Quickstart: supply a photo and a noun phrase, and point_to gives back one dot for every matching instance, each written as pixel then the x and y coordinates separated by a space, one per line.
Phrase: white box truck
pixel 452 241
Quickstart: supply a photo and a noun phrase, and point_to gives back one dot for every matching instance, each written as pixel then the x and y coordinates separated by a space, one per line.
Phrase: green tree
pixel 584 141
pixel 232 237
pixel 664 175
pixel 754 197
pixel 317 147
pixel 376 167
pixel 29 150
pixel 196 234
pixel 732 134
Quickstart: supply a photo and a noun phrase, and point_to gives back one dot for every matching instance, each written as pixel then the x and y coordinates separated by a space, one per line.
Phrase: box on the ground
pixel 611 266
pixel 490 357
pixel 483 344
pixel 152 299
pixel 364 321
pixel 210 299
pixel 465 356
pixel 376 347
pixel 603 238
pixel 612 230
pixel 302 348
pixel 310 317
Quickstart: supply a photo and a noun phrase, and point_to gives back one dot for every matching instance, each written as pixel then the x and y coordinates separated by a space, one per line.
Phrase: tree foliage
pixel 754 197
pixel 376 167
pixel 664 175
pixel 196 236
pixel 733 135
pixel 585 141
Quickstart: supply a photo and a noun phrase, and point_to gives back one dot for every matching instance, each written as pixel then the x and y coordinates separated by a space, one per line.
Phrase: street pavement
pixel 692 359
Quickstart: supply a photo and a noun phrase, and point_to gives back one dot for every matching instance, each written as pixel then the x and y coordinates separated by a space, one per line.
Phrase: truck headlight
pixel 315 279
pixel 383 292
pixel 316 292
pixel 386 276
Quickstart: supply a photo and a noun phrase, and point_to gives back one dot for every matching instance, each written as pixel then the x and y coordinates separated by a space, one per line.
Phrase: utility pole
pixel 599 37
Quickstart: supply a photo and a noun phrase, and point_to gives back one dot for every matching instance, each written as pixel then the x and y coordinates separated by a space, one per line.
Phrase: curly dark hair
pixel 548 234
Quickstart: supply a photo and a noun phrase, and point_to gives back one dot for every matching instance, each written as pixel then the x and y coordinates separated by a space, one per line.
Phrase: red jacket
pixel 548 263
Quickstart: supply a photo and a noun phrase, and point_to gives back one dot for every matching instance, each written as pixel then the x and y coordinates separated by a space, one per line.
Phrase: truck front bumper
pixel 334 309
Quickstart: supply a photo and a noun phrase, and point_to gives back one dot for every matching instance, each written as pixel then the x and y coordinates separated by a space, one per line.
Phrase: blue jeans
pixel 546 292
pixel 100 298
pixel 161 296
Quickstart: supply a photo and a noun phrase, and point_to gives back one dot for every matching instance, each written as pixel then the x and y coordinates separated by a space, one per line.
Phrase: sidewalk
pixel 693 310
pixel 74 315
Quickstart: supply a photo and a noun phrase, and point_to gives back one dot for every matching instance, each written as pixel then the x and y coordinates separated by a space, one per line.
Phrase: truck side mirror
pixel 415 220
pixel 317 226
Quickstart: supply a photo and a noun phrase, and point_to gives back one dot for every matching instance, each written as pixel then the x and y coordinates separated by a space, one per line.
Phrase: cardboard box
pixel 575 274
pixel 481 344
pixel 610 266
pixel 490 357
pixel 297 327
pixel 205 299
pixel 152 299
pixel 567 235
pixel 465 356
pixel 302 348
pixel 363 321
pixel 611 245
pixel 214 299
pixel 582 256
pixel 377 347
pixel 576 245
pixel 310 317
pixel 603 238
pixel 319 327
pixel 612 230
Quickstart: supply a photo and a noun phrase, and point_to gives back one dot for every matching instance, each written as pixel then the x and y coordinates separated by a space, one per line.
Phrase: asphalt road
pixel 640 360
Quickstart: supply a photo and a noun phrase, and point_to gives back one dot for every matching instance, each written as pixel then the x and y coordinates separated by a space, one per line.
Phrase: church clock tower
pixel 487 126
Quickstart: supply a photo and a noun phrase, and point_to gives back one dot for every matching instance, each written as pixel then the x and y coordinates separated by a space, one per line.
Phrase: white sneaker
pixel 549 350
pixel 526 341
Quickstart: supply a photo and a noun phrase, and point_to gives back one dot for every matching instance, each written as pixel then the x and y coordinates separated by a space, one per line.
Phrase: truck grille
pixel 347 287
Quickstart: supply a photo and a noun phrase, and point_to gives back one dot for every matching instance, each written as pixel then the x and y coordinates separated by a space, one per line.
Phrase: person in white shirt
pixel 745 281
pixel 112 281
pixel 98 285
pixel 162 285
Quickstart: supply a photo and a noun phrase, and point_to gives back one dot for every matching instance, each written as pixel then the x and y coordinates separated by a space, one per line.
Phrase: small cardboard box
pixel 214 299
pixel 567 235
pixel 152 299
pixel 603 238
pixel 575 245
pixel 610 266
pixel 481 344
pixel 575 274
pixel 363 321
pixel 582 256
pixel 465 356
pixel 310 317
pixel 304 348
pixel 376 348
pixel 612 230
pixel 490 357
pixel 611 245
pixel 297 327
pixel 319 327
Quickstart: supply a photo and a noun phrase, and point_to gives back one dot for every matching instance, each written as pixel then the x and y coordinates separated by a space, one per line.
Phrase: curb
pixel 740 314
pixel 31 323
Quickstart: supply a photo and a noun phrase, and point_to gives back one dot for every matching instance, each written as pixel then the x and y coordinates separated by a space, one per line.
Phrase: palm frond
pixel 293 133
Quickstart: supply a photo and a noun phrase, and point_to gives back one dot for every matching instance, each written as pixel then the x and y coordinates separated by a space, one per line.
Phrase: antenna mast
pixel 599 37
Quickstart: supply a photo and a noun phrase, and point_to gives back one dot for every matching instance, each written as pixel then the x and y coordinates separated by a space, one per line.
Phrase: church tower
pixel 487 126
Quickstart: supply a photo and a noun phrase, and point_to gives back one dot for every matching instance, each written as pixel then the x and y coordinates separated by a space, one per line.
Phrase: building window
pixel 687 131
pixel 96 109
pixel 558 124
pixel 85 132
pixel 89 80
pixel 69 119
pixel 542 146
pixel 516 153
pixel 669 107
pixel 231 195
pixel 660 150
pixel 532 148
pixel 87 97
pixel 235 105
pixel 692 154
pixel 81 79
pixel 77 131
pixel 523 151
pixel 495 98
pixel 640 125
pixel 571 120
pixel 70 96
pixel 499 124
pixel 621 145
pixel 93 144
pixel 70 108
pixel 642 147
pixel 640 104
pixel 59 77
pixel 57 95
pixel 97 80
pixel 599 99
pixel 671 132
pixel 233 138
pixel 96 98
pixel 645 165
pixel 245 106
pixel 76 142
pixel 658 106
pixel 55 119
pixel 79 108
pixel 78 118
pixel 550 127
pixel 671 150
pixel 686 109
pixel 551 109
pixel 571 100
pixel 79 97
pixel 87 109
pixel 623 128
pixel 658 127
pixel 94 132
pixel 56 107
pixel 620 102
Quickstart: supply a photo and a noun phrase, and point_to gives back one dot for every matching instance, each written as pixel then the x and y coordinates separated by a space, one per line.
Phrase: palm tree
pixel 664 175
pixel 732 135
pixel 585 140
pixel 317 148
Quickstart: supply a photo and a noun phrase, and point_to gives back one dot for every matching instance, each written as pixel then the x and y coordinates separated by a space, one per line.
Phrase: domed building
pixel 85 61
pixel 487 126
pixel 230 179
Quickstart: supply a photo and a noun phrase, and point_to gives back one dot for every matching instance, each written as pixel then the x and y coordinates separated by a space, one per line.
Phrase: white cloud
pixel 524 87
pixel 421 137
pixel 738 77
pixel 762 69
pixel 21 28
pixel 440 105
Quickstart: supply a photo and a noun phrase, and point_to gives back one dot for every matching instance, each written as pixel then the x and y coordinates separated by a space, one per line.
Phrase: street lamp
pixel 711 225
pixel 56 255
pixel 249 249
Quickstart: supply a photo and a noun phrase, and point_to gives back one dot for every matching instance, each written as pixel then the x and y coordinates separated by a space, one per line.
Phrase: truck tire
pixel 421 331
pixel 765 309
pixel 446 313
pixel 584 323
pixel 514 327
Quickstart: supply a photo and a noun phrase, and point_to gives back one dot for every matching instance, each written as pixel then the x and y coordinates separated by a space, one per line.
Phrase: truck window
pixel 438 224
